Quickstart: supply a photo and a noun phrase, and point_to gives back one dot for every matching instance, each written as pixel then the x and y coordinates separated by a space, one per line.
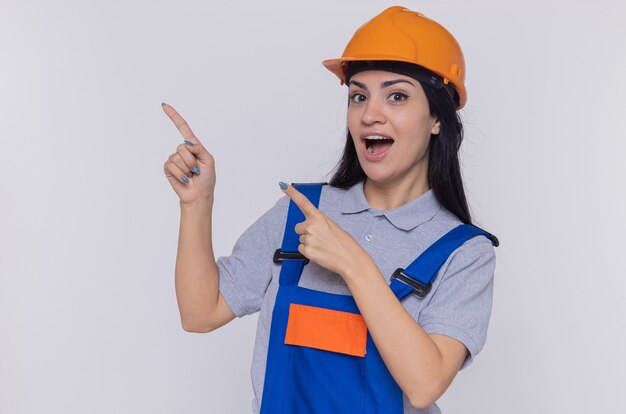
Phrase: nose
pixel 373 113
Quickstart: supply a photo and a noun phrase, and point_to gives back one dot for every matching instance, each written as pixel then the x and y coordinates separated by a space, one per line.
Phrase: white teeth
pixel 376 137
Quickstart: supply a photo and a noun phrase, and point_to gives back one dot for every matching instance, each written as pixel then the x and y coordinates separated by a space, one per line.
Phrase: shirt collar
pixel 406 217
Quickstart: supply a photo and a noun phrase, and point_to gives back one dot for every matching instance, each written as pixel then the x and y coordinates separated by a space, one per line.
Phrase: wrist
pixel 358 268
pixel 200 205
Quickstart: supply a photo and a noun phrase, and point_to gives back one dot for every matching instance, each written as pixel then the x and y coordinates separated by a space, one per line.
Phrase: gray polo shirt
pixel 458 305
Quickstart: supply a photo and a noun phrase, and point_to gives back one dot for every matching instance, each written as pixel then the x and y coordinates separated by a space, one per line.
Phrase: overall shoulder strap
pixel 418 276
pixel 291 240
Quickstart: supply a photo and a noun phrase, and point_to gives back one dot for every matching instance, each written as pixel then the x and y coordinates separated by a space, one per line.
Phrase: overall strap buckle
pixel 419 289
pixel 279 256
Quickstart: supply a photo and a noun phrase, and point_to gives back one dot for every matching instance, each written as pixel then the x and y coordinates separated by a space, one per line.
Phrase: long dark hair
pixel 444 171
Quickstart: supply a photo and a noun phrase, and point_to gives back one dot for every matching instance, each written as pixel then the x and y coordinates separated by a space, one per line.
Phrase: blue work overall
pixel 305 377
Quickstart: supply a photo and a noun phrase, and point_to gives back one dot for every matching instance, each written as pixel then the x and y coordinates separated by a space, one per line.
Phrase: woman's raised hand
pixel 190 184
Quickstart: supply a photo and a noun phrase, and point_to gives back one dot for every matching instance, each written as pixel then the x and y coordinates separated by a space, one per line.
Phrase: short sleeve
pixel 245 275
pixel 461 305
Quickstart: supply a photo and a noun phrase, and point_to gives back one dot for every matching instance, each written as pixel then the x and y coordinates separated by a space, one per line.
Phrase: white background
pixel 89 224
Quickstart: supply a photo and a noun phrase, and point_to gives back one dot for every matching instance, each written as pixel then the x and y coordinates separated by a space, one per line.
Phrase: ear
pixel 436 127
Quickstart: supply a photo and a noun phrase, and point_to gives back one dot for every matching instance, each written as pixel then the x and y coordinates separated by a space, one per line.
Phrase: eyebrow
pixel 383 85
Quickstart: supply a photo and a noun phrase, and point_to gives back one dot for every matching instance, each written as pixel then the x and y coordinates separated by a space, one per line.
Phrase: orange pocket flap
pixel 326 329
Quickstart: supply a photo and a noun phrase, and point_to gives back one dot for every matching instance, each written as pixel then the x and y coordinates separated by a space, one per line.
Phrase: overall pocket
pixel 326 329
pixel 327 360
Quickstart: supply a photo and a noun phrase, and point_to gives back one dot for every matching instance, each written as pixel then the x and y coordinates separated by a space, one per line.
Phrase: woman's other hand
pixel 191 169
pixel 323 241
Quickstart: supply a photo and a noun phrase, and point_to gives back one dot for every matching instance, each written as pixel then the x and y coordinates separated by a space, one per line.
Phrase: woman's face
pixel 393 107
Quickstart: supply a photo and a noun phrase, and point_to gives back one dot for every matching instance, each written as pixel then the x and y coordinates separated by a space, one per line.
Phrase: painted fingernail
pixel 283 185
pixel 185 179
pixel 162 104
pixel 189 143
pixel 196 170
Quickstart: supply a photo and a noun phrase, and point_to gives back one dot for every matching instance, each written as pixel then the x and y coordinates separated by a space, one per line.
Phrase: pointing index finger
pixel 180 123
pixel 301 201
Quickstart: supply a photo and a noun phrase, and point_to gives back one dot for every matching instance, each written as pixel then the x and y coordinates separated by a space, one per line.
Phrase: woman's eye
pixel 398 96
pixel 357 97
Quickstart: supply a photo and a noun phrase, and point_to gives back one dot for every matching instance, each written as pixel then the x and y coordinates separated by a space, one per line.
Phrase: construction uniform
pixel 312 352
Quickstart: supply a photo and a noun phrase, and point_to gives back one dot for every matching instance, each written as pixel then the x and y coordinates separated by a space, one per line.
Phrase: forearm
pixel 196 276
pixel 411 356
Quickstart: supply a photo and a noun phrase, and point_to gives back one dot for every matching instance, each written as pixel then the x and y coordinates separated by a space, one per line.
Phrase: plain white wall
pixel 89 224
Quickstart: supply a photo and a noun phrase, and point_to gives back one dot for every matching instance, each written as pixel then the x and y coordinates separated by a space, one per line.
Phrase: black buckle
pixel 279 256
pixel 492 237
pixel 419 289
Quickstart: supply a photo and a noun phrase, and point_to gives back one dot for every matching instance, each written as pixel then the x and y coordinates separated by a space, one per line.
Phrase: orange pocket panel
pixel 326 329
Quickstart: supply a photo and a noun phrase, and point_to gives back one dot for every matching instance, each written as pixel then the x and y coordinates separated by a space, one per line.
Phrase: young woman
pixel 374 289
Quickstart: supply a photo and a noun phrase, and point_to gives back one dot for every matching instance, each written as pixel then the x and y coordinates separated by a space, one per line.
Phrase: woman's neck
pixel 391 196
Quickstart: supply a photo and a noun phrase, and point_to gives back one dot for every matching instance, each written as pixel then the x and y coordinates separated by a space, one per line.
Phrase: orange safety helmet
pixel 400 34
